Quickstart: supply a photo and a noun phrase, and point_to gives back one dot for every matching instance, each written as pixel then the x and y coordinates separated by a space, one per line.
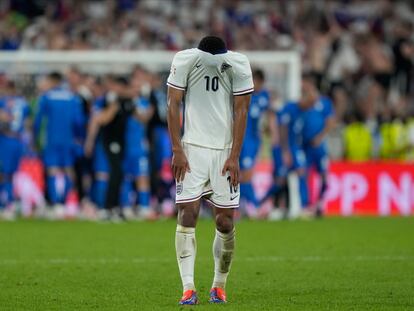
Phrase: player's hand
pixel 232 165
pixel 287 158
pixel 180 166
pixel 317 141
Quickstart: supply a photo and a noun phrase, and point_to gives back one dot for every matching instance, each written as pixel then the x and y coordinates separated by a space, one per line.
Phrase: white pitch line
pixel 149 260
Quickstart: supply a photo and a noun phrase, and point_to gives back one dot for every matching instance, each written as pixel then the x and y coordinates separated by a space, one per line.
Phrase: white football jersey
pixel 210 82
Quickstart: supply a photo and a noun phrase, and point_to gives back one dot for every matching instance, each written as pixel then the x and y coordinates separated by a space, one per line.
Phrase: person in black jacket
pixel 111 121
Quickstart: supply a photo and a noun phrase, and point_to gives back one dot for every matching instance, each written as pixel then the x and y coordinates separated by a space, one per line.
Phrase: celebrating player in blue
pixel 291 145
pixel 252 141
pixel 304 126
pixel 95 150
pixel 14 113
pixel 318 120
pixel 136 165
pixel 62 109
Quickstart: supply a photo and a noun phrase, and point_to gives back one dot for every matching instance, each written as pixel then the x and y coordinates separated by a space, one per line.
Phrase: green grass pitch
pixel 331 264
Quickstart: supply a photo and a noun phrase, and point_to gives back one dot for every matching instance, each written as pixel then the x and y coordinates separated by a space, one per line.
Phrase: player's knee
pixel 224 223
pixel 53 171
pixel 187 216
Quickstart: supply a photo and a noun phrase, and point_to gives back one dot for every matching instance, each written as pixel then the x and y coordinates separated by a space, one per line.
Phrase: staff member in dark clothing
pixel 111 121
pixel 160 147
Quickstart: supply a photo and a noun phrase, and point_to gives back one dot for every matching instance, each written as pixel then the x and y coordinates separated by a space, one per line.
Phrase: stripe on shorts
pixel 223 205
pixel 194 198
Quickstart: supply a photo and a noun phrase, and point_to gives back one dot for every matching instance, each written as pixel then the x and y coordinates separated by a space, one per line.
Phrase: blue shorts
pixel 248 154
pixel 11 152
pixel 100 161
pixel 317 157
pixel 136 165
pixel 78 151
pixel 279 168
pixel 298 158
pixel 58 156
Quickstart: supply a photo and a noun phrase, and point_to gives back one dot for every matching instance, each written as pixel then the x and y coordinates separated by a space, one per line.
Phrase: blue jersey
pixel 18 110
pixel 63 111
pixel 136 130
pixel 314 119
pixel 291 116
pixel 258 104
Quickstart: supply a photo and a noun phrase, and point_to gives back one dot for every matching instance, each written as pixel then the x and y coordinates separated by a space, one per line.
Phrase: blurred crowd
pixel 66 134
pixel 360 52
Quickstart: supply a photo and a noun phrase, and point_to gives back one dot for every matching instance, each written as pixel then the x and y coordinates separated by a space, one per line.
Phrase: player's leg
pixel 223 249
pixel 161 163
pixel 51 161
pixel 279 175
pixel 13 152
pixel 185 242
pixel 128 191
pixel 225 199
pixel 99 188
pixel 101 177
pixel 143 185
pixel 116 176
pixel 247 161
pixel 300 166
pixel 322 165
pixel 188 195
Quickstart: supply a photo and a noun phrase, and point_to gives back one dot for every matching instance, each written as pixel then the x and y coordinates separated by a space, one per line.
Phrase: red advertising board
pixel 372 188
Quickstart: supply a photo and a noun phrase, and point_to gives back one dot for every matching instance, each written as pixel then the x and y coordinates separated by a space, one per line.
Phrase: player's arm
pixel 98 119
pixel 241 108
pixel 92 133
pixel 242 89
pixel 179 161
pixel 272 126
pixel 284 137
pixel 330 123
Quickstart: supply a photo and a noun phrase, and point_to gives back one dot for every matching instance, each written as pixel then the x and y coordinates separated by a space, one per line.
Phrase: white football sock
pixel 186 248
pixel 223 248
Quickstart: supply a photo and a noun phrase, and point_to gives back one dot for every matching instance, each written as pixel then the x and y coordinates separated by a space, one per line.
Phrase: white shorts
pixel 205 179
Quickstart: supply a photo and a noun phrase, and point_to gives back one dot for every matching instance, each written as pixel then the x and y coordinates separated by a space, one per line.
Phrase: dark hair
pixel 11 84
pixel 310 77
pixel 213 45
pixel 259 74
pixel 56 76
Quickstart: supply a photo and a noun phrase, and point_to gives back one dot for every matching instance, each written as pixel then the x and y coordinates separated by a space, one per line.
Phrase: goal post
pixel 282 67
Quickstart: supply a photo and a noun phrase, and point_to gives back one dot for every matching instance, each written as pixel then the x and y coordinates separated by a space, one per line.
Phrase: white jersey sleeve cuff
pixel 182 88
pixel 242 92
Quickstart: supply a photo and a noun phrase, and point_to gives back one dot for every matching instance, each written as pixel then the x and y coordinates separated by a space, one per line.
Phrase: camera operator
pixel 111 121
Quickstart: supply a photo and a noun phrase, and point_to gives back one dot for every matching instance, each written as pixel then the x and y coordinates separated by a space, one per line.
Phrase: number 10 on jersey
pixel 214 85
